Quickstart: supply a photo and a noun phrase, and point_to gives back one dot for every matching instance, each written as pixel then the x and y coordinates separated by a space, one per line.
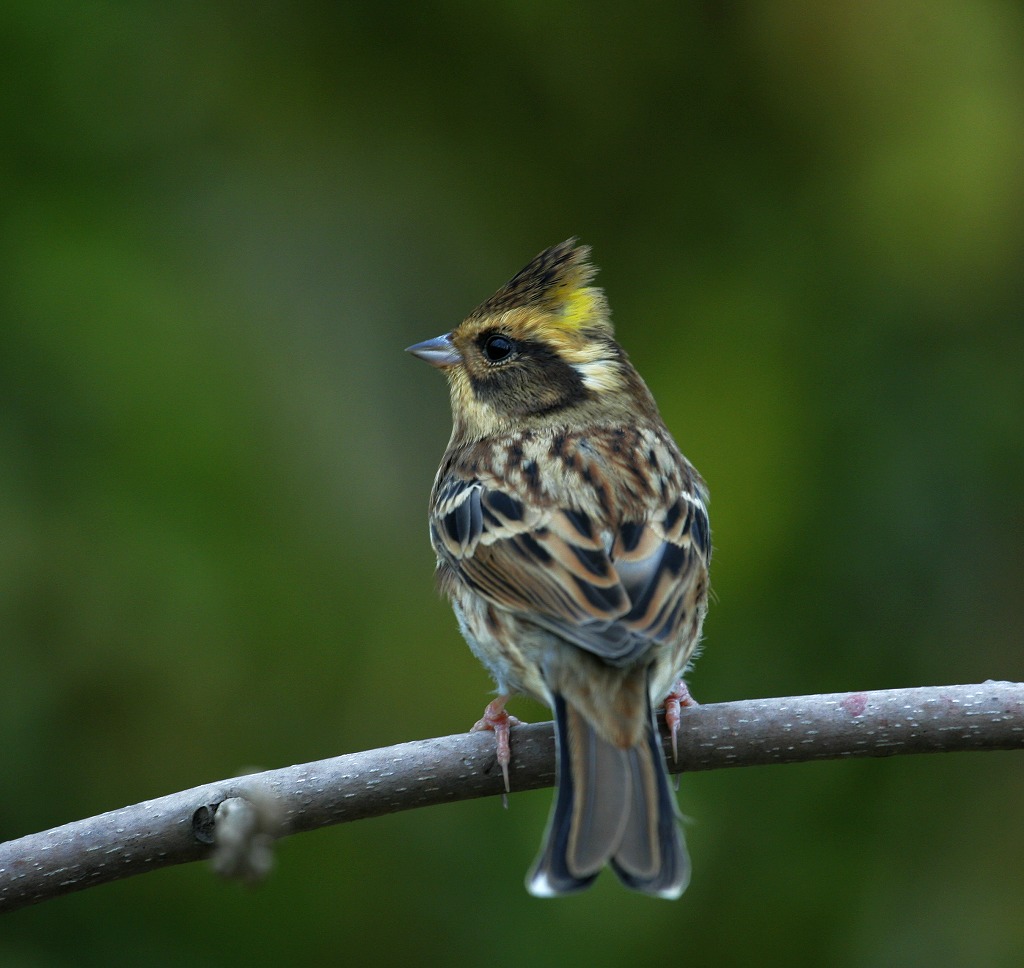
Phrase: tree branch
pixel 183 826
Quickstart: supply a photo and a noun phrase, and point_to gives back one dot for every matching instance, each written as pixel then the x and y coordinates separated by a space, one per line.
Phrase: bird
pixel 572 539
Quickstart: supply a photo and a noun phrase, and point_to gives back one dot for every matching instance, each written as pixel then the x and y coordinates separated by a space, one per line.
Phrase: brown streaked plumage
pixel 572 538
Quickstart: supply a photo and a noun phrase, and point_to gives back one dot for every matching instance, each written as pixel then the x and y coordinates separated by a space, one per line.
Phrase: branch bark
pixel 183 826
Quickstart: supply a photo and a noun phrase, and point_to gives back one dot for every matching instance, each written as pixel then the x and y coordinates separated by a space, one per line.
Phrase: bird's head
pixel 540 352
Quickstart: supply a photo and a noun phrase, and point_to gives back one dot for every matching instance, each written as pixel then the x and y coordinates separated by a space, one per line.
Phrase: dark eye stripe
pixel 533 379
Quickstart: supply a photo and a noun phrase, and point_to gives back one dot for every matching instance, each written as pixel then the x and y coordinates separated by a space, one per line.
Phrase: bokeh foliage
pixel 223 221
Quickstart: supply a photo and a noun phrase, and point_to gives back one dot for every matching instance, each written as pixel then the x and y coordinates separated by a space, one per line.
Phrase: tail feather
pixel 667 871
pixel 613 806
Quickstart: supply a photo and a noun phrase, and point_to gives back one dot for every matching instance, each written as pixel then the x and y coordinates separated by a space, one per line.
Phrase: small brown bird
pixel 572 538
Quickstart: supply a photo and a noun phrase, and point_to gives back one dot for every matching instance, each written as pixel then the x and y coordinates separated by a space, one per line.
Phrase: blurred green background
pixel 221 224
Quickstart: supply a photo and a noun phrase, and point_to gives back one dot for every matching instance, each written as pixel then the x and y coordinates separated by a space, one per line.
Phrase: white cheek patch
pixel 599 375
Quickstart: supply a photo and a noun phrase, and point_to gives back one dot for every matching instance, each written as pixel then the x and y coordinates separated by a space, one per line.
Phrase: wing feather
pixel 612 592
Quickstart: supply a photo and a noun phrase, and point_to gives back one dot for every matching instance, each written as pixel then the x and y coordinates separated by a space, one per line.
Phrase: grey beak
pixel 439 351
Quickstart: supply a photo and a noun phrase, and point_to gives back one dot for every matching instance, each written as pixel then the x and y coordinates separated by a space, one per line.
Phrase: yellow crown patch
pixel 555 284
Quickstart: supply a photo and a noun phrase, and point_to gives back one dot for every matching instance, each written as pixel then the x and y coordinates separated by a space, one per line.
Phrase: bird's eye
pixel 497 348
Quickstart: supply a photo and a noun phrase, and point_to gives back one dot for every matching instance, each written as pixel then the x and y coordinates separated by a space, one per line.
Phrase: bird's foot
pixel 496 720
pixel 676 700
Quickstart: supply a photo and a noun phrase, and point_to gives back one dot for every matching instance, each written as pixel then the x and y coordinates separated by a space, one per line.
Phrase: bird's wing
pixel 611 594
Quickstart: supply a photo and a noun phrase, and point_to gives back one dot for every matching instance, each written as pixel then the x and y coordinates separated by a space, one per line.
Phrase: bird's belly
pixel 512 649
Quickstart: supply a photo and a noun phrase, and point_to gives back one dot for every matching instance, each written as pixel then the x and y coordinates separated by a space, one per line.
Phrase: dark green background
pixel 221 224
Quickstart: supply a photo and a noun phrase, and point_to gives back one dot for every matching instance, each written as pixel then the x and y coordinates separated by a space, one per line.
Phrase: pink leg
pixel 498 722
pixel 674 702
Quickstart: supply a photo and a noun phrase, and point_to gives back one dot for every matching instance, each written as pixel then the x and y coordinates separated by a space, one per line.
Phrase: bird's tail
pixel 613 806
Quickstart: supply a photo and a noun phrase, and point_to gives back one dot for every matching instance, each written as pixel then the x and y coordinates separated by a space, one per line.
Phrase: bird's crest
pixel 553 290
